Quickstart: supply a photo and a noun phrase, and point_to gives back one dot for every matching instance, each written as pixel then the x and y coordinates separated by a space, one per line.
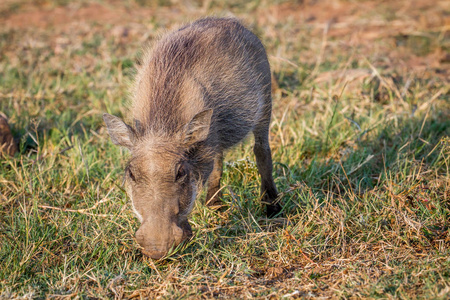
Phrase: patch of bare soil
pixel 46 17
pixel 411 36
pixel 368 19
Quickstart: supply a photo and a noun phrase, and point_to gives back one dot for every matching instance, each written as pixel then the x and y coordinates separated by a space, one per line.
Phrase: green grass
pixel 362 166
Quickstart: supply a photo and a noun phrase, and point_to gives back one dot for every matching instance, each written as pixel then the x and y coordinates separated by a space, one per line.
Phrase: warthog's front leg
pixel 214 193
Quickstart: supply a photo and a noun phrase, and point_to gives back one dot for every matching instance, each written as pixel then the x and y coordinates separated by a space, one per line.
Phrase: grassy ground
pixel 360 138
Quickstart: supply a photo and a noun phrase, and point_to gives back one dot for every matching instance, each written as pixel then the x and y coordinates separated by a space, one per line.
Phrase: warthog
pixel 199 91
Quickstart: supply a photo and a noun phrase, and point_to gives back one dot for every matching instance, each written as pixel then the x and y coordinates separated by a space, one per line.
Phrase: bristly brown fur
pixel 208 64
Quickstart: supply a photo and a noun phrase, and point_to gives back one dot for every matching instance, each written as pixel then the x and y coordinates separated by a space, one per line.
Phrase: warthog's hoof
pixel 272 210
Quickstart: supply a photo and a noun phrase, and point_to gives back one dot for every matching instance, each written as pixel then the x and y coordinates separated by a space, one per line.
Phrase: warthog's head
pixel 162 178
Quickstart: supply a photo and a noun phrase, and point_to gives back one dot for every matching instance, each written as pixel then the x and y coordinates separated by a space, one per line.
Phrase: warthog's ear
pixel 121 134
pixel 198 128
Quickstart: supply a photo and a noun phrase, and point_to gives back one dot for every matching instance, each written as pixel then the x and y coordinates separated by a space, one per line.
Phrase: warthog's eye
pixel 130 174
pixel 181 173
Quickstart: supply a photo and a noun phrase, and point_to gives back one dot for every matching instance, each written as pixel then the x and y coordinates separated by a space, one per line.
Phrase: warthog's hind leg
pixel 264 162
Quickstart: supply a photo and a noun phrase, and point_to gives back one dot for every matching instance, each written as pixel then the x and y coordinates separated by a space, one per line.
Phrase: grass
pixel 361 161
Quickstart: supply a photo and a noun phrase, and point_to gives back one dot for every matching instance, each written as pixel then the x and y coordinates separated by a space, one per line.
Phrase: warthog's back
pixel 212 63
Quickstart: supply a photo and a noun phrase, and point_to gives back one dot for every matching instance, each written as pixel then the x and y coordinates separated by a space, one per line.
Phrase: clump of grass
pixel 362 165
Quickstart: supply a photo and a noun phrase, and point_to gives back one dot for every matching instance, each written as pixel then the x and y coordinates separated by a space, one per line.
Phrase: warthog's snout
pixel 156 242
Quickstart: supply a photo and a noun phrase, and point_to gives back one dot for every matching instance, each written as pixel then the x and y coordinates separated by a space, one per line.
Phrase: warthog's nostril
pixel 154 254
